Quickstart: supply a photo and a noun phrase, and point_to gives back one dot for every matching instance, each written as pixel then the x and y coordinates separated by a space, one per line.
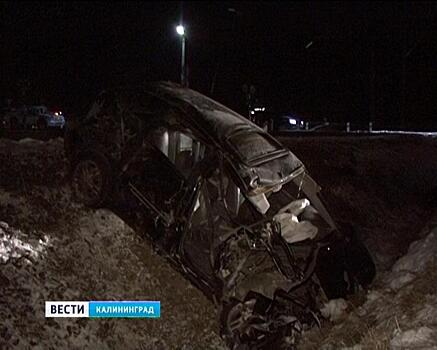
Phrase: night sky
pixel 367 61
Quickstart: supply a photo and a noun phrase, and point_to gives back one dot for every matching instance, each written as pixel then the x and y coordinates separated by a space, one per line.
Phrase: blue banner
pixel 131 309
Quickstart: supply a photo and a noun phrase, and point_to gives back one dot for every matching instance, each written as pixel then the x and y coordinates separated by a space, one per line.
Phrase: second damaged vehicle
pixel 231 208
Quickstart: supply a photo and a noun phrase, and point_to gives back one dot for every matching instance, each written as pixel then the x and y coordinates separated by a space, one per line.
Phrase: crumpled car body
pixel 231 208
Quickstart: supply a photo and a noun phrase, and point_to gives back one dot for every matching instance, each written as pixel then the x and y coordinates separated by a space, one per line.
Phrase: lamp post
pixel 180 29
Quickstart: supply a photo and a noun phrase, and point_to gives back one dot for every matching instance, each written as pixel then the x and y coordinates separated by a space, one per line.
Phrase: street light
pixel 180 29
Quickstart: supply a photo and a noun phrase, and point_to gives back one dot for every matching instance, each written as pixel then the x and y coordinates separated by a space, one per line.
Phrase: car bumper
pixel 56 123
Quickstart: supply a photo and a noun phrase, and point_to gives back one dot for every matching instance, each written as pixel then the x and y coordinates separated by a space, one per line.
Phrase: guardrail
pixel 348 128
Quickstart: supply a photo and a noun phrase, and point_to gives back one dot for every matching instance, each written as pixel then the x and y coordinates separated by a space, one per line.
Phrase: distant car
pixel 33 117
pixel 275 122
pixel 231 208
pixel 287 122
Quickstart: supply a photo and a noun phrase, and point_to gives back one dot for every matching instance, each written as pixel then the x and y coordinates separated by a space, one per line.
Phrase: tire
pixel 92 179
pixel 346 257
pixel 359 262
pixel 234 322
pixel 228 316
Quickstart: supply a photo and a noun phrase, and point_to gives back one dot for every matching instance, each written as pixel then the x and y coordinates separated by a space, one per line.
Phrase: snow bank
pixel 423 337
pixel 15 245
pixel 399 313
pixel 334 310
pixel 419 255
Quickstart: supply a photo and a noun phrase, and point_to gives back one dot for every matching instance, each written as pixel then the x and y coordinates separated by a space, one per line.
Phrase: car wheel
pixel 243 328
pixel 41 123
pixel 92 180
pixel 359 262
pixel 236 319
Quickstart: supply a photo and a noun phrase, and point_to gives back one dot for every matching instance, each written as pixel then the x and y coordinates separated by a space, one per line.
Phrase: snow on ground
pixel 54 249
pixel 95 256
pixel 13 246
pixel 400 312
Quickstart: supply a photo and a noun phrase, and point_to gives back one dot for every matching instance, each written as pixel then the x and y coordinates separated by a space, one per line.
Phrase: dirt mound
pixel 385 186
pixel 399 313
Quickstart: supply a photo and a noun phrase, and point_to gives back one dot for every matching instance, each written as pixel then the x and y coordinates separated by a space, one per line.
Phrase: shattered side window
pixel 180 147
pixel 200 214
pixel 159 138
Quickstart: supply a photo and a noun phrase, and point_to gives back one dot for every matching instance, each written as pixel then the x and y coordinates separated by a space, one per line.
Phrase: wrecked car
pixel 230 208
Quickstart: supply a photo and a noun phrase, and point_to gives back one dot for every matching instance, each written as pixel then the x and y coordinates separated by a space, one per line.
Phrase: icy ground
pixel 400 312
pixel 54 249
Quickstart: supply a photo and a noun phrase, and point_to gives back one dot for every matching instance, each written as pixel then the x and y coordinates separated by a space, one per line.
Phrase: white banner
pixel 67 309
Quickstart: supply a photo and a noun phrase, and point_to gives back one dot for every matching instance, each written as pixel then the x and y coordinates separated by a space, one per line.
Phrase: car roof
pixel 213 118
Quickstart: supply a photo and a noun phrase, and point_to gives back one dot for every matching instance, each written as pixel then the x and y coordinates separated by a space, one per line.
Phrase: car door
pixel 196 243
pixel 153 181
pixel 189 157
pixel 157 172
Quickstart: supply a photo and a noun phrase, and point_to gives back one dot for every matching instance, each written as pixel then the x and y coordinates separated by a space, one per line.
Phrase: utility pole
pixel 180 29
pixel 183 64
pixel 403 65
pixel 372 84
pixel 223 52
